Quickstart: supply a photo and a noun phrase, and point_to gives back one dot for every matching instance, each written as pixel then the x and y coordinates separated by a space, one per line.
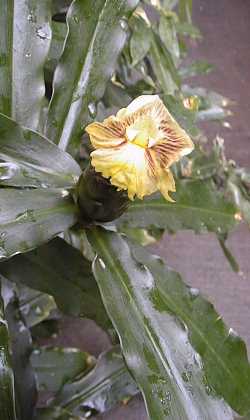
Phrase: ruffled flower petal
pixel 127 168
pixel 136 147
pixel 110 133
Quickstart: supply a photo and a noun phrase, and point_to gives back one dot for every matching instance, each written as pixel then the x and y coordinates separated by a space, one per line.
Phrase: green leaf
pixel 187 29
pixel 21 344
pixel 199 206
pixel 32 160
pixel 61 271
pixel 143 237
pixel 140 40
pixel 167 32
pixel 240 197
pixel 60 6
pixel 7 396
pixel 34 306
pixel 164 353
pixel 54 366
pixel 185 117
pixel 78 239
pixel 229 256
pixel 59 32
pixel 195 68
pixel 163 67
pixel 29 218
pixel 24 44
pixel 92 46
pixel 107 384
pixel 185 10
pixel 223 352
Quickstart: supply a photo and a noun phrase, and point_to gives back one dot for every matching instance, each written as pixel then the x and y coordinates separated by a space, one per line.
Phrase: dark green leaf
pixel 107 384
pixel 59 32
pixel 29 218
pixel 223 352
pixel 144 300
pixel 163 67
pixel 7 397
pixel 241 199
pixel 32 160
pixel 92 46
pixel 229 256
pixel 60 6
pixel 115 96
pixel 35 306
pixel 78 239
pixel 61 271
pixel 21 344
pixel 167 32
pixel 199 206
pixel 140 40
pixel 24 44
pixel 54 366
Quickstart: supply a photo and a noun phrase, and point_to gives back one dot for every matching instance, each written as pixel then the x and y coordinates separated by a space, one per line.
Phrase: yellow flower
pixel 136 148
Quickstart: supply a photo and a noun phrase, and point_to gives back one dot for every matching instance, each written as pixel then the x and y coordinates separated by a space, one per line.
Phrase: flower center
pixel 142 132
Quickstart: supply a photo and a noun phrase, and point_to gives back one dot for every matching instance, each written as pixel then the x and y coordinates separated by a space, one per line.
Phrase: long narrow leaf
pixel 178 349
pixel 21 344
pixel 32 160
pixel 97 33
pixel 61 271
pixel 103 387
pixel 29 218
pixel 24 44
pixel 199 206
pixel 7 397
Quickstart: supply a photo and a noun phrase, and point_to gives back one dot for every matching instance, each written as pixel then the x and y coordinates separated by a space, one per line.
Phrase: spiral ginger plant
pixel 100 155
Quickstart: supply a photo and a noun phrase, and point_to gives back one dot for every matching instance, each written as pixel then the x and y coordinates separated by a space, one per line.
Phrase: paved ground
pixel 225 25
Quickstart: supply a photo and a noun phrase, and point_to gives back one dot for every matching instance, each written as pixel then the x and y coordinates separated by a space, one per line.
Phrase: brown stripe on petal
pixel 149 109
pixel 167 152
pixel 150 161
pixel 115 127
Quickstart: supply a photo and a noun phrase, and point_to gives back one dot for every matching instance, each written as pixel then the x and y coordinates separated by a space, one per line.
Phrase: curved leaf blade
pixel 61 271
pixel 85 66
pixel 32 160
pixel 7 397
pixel 34 305
pixel 25 39
pixel 101 389
pixel 54 366
pixel 21 344
pixel 29 218
pixel 163 66
pixel 199 206
pixel 223 352
pixel 154 342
